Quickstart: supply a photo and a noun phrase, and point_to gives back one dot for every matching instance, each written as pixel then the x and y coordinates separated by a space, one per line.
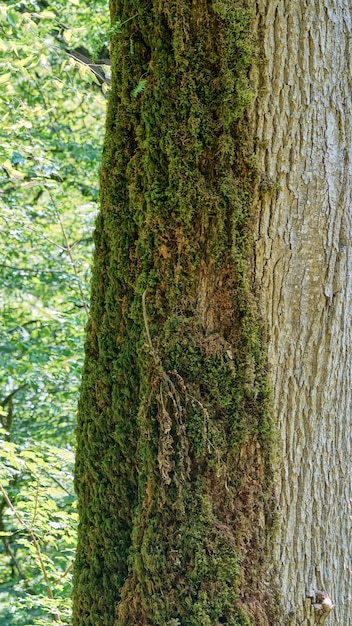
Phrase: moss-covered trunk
pixel 174 435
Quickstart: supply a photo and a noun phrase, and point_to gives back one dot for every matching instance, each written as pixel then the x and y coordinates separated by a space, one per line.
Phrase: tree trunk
pixel 222 254
pixel 301 120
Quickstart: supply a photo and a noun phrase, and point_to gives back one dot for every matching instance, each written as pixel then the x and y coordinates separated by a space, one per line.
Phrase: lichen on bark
pixel 174 430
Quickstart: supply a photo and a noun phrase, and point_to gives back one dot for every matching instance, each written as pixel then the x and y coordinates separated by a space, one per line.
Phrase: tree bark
pixel 213 434
pixel 302 259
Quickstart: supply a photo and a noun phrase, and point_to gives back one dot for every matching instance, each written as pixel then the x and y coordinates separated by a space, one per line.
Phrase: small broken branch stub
pixel 322 604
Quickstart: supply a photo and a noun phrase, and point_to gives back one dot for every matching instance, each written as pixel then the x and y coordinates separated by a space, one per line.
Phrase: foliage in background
pixel 53 85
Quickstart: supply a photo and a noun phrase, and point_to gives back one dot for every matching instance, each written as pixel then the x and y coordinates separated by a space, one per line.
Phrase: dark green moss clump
pixel 174 431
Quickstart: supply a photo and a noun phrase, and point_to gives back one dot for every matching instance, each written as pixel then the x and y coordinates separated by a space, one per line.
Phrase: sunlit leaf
pixel 4 78
pixel 47 15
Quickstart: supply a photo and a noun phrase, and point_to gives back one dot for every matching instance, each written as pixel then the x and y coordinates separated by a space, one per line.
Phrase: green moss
pixel 174 391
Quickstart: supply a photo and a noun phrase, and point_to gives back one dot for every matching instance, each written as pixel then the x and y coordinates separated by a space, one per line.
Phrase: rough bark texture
pixel 301 120
pixel 174 459
pixel 174 433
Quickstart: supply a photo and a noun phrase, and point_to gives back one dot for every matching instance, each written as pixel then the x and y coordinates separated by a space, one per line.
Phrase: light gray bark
pixel 302 272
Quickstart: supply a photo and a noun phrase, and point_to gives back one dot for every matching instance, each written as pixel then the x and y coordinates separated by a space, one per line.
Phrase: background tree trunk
pixel 185 515
pixel 301 120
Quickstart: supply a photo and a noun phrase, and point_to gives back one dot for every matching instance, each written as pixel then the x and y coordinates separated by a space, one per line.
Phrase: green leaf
pixel 5 78
pixel 141 85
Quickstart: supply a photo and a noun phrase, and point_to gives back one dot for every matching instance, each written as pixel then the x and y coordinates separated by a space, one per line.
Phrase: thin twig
pixel 36 546
pixel 30 271
pixel 68 250
pixel 14 561
pixel 35 510
pixel 55 480
pixel 67 571
pixel 9 397
pixel 146 325
pixel 37 232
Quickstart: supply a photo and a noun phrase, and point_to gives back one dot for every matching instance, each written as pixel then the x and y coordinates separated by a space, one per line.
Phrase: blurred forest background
pixel 54 79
